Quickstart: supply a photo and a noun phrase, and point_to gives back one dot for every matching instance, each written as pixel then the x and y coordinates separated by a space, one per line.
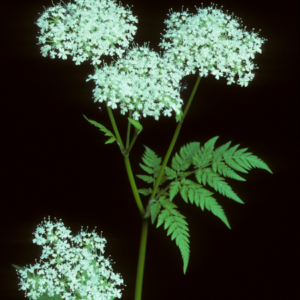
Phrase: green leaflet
pixel 176 224
pixel 207 175
pixel 182 162
pixel 146 178
pixel 145 192
pixel 212 205
pixel 102 128
pixel 170 173
pixel 194 192
pixel 152 166
pixel 174 189
pixel 154 210
pixel 203 156
pixel 136 124
pixel 179 116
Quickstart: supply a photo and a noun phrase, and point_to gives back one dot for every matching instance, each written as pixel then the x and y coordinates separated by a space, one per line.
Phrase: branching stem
pixel 144 233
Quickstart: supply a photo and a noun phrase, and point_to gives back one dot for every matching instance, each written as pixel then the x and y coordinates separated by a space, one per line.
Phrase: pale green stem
pixel 136 133
pixel 133 186
pixel 128 131
pixel 141 261
pixel 127 164
pixel 114 125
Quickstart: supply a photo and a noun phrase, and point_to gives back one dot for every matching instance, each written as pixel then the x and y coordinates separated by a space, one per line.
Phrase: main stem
pixel 141 261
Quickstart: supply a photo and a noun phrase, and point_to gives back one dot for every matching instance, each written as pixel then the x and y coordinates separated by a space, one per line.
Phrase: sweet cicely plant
pixel 143 83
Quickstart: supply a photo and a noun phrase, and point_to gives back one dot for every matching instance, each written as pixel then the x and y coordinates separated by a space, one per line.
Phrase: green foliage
pixel 102 128
pixel 179 116
pixel 145 192
pixel 183 162
pixel 176 225
pixel 136 124
pixel 152 166
pixel 208 165
pixel 194 192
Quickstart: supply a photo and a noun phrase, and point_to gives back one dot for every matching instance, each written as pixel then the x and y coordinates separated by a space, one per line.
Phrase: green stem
pixel 114 125
pixel 133 186
pixel 127 163
pixel 160 174
pixel 141 261
pixel 136 133
pixel 128 130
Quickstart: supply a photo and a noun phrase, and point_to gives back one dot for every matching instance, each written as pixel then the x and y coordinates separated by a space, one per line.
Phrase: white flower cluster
pixel 72 272
pixel 87 29
pixel 211 42
pixel 141 81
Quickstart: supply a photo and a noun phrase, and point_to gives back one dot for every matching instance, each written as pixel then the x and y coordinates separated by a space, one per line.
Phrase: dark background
pixel 55 163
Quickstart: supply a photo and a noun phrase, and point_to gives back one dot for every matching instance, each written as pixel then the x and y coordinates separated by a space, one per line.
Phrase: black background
pixel 55 163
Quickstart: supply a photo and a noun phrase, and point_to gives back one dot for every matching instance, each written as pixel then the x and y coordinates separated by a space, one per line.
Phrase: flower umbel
pixel 211 41
pixel 87 29
pixel 141 81
pixel 72 272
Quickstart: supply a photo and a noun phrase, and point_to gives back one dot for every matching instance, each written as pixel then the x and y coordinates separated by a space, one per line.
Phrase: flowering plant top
pixel 142 81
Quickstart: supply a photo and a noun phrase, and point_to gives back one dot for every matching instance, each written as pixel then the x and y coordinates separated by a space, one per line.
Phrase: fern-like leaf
pixel 223 169
pixel 207 175
pixel 176 224
pixel 202 198
pixel 151 160
pixel 152 166
pixel 242 162
pixel 103 128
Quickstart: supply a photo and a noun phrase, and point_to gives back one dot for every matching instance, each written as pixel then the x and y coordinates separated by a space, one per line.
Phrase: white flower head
pixel 211 42
pixel 141 81
pixel 86 30
pixel 73 272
